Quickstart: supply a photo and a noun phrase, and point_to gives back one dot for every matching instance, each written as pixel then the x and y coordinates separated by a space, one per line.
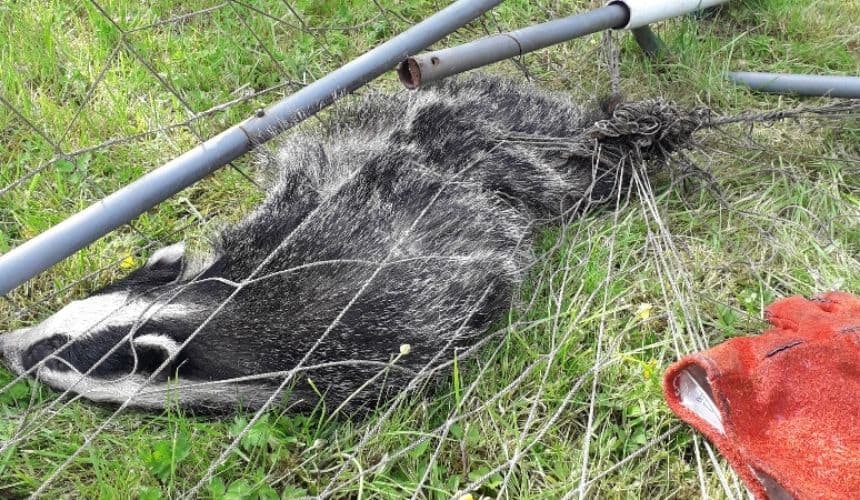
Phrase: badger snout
pixel 12 344
pixel 22 349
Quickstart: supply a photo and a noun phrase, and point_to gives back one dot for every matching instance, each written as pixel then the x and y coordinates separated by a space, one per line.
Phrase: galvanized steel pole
pixel 644 12
pixel 62 240
pixel 805 85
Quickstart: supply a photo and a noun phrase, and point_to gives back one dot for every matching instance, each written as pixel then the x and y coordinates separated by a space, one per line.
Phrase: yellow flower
pixel 467 496
pixel 128 263
pixel 648 368
pixel 405 349
pixel 643 312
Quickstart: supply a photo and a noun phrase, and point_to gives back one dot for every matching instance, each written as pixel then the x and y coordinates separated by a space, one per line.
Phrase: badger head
pixel 119 344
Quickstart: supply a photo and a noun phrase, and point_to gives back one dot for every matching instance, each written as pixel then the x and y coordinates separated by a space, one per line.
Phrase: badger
pixel 385 243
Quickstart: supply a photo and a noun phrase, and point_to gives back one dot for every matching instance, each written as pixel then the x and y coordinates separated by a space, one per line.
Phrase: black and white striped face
pixel 106 345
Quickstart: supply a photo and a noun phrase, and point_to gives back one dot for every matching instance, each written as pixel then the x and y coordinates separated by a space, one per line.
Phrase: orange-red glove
pixel 783 407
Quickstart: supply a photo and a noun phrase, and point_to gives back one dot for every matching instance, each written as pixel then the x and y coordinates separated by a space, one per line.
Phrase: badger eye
pixel 45 348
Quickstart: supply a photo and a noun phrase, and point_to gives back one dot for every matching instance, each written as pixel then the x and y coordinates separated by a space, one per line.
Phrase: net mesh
pixel 562 399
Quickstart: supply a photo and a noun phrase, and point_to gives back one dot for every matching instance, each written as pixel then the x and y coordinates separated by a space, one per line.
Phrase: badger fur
pixel 407 223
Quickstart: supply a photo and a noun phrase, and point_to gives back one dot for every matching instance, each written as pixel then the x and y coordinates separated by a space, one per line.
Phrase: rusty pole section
pixel 431 66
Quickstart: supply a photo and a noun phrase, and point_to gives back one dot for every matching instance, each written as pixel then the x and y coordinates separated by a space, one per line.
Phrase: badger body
pixel 409 222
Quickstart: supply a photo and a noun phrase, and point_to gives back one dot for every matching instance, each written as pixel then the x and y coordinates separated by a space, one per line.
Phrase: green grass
pixel 785 223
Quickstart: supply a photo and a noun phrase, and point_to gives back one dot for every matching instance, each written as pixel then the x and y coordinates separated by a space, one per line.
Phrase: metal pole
pixel 62 240
pixel 648 41
pixel 805 85
pixel 618 14
pixel 431 66
pixel 644 12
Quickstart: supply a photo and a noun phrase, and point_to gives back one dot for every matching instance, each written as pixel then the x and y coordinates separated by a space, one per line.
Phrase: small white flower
pixel 643 312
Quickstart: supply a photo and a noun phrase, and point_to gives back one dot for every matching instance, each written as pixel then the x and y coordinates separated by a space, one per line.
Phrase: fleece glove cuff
pixel 783 407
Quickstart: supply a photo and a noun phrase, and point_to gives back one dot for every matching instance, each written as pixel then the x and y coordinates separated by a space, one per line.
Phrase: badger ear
pixel 168 258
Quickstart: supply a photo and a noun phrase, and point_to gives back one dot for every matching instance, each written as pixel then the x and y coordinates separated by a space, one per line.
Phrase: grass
pixel 784 223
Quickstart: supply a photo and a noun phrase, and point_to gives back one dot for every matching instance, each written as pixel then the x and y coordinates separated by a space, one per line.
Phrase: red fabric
pixel 789 398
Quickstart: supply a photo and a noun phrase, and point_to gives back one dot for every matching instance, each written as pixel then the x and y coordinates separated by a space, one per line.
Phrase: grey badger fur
pixel 409 222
